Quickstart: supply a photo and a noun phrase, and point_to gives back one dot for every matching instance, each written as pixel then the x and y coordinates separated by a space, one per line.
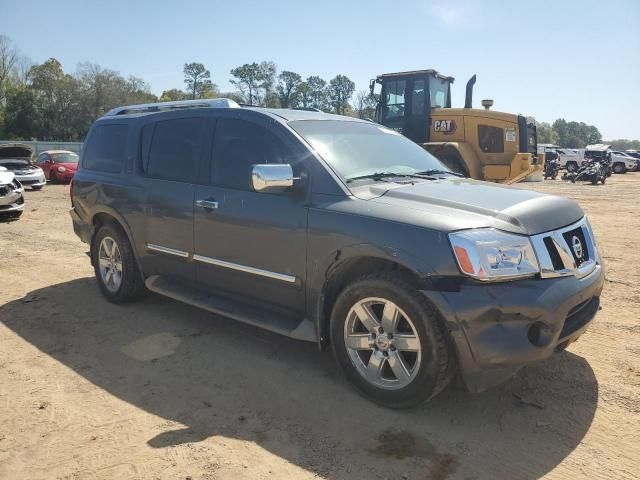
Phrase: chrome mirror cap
pixel 271 178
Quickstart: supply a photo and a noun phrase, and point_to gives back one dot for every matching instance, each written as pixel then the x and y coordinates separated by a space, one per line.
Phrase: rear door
pixel 170 160
pixel 248 243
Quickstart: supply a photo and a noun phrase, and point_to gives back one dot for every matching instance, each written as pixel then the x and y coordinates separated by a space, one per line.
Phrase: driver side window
pixel 238 145
pixel 394 101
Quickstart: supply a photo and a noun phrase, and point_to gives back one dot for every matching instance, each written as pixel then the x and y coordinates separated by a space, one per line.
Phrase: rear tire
pixel 115 267
pixel 409 339
pixel 572 167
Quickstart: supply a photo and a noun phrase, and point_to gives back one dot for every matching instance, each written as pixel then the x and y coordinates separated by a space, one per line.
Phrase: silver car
pixel 11 198
pixel 16 158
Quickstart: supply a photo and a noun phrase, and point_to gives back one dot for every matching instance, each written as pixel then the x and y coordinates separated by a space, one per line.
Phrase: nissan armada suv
pixel 337 231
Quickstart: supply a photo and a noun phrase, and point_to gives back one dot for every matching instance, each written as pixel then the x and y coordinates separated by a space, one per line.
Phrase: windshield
pixel 65 157
pixel 356 149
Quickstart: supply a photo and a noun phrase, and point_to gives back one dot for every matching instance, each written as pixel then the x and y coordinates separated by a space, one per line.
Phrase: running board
pixel 252 315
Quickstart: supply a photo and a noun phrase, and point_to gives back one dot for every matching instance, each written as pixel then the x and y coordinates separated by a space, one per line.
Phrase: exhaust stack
pixel 469 96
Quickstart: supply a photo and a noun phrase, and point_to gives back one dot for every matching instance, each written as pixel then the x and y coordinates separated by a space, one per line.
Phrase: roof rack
pixel 160 106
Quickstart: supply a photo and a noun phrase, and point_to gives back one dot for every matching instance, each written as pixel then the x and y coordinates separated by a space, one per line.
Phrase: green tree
pixel 198 80
pixel 340 91
pixel 317 92
pixel 22 116
pixel 546 133
pixel 173 95
pixel 303 95
pixel 287 88
pixel 255 82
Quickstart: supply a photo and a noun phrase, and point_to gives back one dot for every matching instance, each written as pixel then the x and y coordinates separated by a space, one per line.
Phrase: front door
pixel 248 243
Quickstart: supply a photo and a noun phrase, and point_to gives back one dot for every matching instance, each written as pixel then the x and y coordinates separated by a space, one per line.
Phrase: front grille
pixel 577 244
pixel 567 251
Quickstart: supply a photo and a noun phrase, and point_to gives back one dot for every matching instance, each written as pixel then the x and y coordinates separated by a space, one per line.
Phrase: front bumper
pixel 498 328
pixel 12 202
pixel 36 179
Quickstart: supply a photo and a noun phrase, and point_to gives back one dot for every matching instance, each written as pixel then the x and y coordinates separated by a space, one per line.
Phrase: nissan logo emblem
pixel 576 244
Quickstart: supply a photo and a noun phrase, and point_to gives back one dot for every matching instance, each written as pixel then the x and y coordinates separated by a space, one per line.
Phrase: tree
pixel 255 82
pixel 173 95
pixel 340 91
pixel 22 116
pixel 287 88
pixel 317 92
pixel 8 59
pixel 198 80
pixel 303 94
pixel 546 133
pixel 365 105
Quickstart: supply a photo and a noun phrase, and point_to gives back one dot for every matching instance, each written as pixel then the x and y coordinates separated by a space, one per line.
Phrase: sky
pixel 574 59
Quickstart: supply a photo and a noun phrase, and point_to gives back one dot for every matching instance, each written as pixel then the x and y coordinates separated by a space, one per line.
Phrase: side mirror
pixel 271 178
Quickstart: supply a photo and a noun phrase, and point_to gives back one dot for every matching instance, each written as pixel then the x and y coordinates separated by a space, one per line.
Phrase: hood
pixel 15 150
pixel 6 177
pixel 456 204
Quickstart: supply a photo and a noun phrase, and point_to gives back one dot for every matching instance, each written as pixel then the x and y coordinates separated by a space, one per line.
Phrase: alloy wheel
pixel 382 343
pixel 110 263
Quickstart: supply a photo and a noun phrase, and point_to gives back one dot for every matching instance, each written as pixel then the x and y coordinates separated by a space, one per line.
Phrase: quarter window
pixel 491 139
pixel 105 148
pixel 174 149
pixel 238 145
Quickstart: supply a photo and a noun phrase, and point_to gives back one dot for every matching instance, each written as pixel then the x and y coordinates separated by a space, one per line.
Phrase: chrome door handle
pixel 206 204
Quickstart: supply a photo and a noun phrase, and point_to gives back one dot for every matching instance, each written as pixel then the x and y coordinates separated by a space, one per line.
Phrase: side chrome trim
pixel 243 268
pixel 171 251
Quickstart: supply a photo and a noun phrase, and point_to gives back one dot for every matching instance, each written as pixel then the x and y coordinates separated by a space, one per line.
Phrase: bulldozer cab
pixel 406 99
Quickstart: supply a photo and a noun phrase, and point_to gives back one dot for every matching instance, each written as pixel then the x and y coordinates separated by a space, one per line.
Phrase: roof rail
pixel 160 106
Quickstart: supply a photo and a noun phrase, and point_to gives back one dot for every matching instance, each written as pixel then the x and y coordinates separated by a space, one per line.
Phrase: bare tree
pixel 8 58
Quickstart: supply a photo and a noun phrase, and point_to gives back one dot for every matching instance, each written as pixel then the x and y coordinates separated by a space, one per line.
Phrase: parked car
pixel 58 165
pixel 337 231
pixel 570 158
pixel 622 162
pixel 635 154
pixel 16 158
pixel 11 198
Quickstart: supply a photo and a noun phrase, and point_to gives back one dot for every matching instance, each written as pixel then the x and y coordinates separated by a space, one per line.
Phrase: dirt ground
pixel 160 390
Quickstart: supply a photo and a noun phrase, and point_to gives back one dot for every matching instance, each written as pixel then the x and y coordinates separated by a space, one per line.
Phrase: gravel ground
pixel 160 390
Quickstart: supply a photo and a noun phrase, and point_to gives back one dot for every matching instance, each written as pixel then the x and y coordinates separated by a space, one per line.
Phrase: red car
pixel 58 165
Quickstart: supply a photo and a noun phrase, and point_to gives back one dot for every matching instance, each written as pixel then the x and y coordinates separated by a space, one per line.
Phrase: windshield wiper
pixel 377 176
pixel 439 172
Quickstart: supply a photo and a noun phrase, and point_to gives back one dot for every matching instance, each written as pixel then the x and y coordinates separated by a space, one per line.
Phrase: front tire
pixel 619 168
pixel 115 265
pixel 390 342
pixel 572 167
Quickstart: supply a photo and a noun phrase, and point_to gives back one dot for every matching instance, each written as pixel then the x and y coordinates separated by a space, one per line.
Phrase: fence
pixel 39 147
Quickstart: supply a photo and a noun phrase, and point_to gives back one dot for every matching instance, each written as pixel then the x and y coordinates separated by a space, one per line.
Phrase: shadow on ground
pixel 221 378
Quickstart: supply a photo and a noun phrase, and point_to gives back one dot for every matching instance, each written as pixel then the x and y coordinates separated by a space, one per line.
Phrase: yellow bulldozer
pixel 479 143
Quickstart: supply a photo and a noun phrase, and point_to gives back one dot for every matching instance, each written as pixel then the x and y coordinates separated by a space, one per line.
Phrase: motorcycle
pixel 593 171
pixel 551 168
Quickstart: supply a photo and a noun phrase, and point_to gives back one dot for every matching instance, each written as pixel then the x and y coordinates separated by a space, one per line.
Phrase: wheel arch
pixel 102 217
pixel 464 153
pixel 344 271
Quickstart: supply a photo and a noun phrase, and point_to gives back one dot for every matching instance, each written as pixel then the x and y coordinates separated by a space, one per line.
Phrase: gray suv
pixel 337 231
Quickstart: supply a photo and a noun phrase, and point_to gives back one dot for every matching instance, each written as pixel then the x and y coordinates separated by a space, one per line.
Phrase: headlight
pixel 489 255
pixel 61 169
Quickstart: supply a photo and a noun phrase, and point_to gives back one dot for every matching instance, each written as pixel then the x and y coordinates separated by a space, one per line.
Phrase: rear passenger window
pixel 237 146
pixel 104 151
pixel 173 149
pixel 491 139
